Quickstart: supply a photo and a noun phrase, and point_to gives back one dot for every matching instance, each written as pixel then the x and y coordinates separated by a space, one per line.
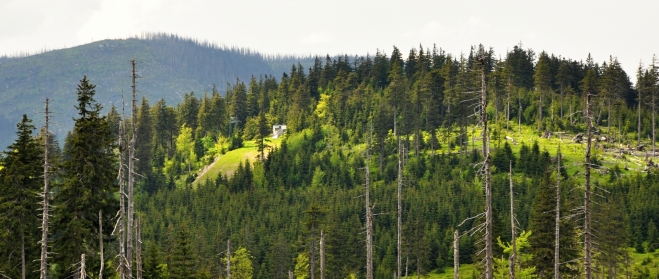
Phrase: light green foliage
pixel 322 108
pixel 502 265
pixel 241 264
pixel 185 154
pixel 318 178
pixel 302 266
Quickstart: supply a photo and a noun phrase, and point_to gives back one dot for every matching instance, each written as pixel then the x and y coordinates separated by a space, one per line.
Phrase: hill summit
pixel 169 67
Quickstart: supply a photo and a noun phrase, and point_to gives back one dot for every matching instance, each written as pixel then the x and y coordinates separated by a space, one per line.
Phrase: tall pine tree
pixel 88 184
pixel 20 183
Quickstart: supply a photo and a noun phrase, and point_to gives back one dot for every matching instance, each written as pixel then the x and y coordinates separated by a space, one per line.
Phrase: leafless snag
pixel 45 202
pixel 488 178
pixel 369 215
pixel 322 254
pixel 100 243
pixel 456 255
pixel 513 254
pixel 131 174
pixel 587 195
pixel 138 248
pixel 83 273
pixel 228 259
pixel 557 273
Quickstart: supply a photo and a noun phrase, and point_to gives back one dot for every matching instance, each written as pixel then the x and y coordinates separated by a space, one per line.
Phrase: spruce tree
pixel 543 226
pixel 88 184
pixel 20 183
pixel 183 260
pixel 144 135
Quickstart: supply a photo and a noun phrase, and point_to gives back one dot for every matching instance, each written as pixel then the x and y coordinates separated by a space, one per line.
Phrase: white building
pixel 278 131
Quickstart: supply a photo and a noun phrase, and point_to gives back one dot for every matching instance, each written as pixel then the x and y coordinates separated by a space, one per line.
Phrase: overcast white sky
pixel 570 28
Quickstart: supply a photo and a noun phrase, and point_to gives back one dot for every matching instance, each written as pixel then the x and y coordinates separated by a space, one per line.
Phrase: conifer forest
pixel 419 163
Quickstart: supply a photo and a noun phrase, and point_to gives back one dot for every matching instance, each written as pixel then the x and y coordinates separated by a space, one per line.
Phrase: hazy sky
pixel 626 29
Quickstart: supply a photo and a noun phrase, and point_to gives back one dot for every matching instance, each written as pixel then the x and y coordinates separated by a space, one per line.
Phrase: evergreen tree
pixel 543 227
pixel 152 267
pixel 542 79
pixel 183 259
pixel 238 107
pixel 188 111
pixel 144 138
pixel 88 185
pixel 20 183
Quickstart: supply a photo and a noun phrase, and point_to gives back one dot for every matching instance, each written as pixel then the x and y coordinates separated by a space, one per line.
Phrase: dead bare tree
pixel 488 178
pixel 400 205
pixel 557 273
pixel 83 273
pixel 640 99
pixel 369 214
pixel 653 75
pixel 228 259
pixel 587 195
pixel 100 243
pixel 138 248
pixel 45 211
pixel 322 254
pixel 121 222
pixel 513 254
pixel 131 174
pixel 456 255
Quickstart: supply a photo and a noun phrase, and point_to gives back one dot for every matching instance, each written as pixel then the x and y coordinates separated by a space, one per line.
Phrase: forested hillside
pixel 413 121
pixel 169 66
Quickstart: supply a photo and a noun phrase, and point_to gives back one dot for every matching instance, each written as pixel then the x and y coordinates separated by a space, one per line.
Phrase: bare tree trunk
pixel 557 273
pixel 608 122
pixel 519 112
pixel 229 259
pixel 488 183
pixel 653 125
pixel 456 255
pixel 540 111
pixel 513 255
pixel 46 201
pixel 322 254
pixel 508 110
pixel 312 257
pixel 83 274
pixel 131 175
pixel 587 194
pixel 639 117
pixel 570 107
pixel 138 248
pixel 562 100
pixel 100 243
pixel 551 105
pixel 121 223
pixel 369 216
pixel 407 262
pixel 23 268
pixel 400 205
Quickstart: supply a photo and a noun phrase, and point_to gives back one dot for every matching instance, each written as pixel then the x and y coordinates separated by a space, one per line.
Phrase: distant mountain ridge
pixel 169 66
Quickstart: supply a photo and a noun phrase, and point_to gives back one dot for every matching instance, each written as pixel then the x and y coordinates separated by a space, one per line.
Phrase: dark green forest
pixel 337 109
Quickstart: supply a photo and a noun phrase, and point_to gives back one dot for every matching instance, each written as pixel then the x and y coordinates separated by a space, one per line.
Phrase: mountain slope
pixel 170 66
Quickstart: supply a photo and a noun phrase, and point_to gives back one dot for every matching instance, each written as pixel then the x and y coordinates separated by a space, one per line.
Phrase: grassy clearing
pixel 644 265
pixel 227 163
pixel 572 152
pixel 466 271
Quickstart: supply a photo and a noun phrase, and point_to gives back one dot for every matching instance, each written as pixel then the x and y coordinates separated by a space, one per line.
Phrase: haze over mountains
pixel 169 65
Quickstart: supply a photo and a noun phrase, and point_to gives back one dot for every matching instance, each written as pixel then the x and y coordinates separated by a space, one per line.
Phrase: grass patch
pixel 466 271
pixel 227 163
